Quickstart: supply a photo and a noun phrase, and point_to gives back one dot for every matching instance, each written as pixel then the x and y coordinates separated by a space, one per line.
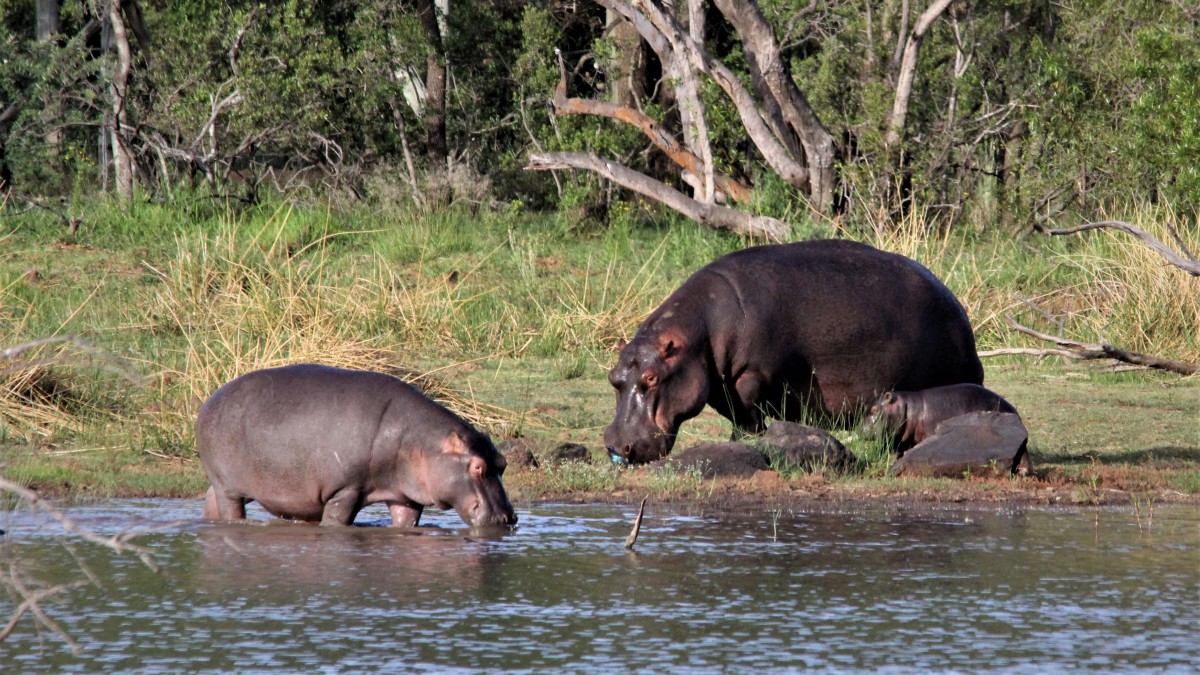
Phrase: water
pixel 901 590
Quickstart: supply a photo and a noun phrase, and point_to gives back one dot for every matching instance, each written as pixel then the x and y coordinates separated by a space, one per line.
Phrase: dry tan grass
pixel 1130 296
pixel 1108 288
pixel 245 308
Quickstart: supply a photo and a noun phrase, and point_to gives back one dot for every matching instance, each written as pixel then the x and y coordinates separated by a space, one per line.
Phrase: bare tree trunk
pixel 626 75
pixel 908 70
pixel 894 63
pixel 774 83
pixel 122 159
pixel 47 20
pixel 435 85
pixel 781 160
pixel 47 27
pixel 398 119
pixel 687 89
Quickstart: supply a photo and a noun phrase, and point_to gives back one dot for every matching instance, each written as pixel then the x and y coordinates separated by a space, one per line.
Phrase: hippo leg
pixel 405 515
pixel 747 417
pixel 210 505
pixel 223 507
pixel 342 507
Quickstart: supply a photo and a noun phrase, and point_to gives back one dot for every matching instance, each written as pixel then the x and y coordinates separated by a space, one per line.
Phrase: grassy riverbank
pixel 511 319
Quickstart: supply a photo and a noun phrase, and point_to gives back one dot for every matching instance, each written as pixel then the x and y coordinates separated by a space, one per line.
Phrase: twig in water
pixel 637 526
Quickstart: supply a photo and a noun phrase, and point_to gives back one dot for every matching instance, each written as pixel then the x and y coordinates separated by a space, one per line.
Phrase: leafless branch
pixel 30 603
pixel 11 358
pixel 118 543
pixel 713 215
pixel 31 598
pixel 1089 350
pixel 1186 262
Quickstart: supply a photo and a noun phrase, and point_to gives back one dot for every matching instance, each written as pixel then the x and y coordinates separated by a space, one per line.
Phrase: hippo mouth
pixel 642 452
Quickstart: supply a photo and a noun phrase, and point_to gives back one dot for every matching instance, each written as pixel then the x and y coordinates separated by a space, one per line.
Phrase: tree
pixel 779 122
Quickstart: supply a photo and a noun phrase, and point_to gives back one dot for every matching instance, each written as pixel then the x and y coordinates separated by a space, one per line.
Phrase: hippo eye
pixel 650 378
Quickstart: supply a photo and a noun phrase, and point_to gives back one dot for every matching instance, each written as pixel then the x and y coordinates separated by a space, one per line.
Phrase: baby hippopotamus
pixel 316 443
pixel 912 416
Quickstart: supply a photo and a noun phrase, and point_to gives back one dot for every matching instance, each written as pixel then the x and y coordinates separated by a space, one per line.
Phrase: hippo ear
pixel 889 398
pixel 670 345
pixel 455 444
pixel 477 467
pixel 621 344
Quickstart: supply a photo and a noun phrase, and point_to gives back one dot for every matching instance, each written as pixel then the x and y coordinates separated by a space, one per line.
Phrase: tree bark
pixel 435 85
pixel 713 215
pixel 687 90
pixel 908 70
pixel 122 158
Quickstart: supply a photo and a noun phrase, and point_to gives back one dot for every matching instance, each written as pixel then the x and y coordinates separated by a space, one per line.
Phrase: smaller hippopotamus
pixel 316 443
pixel 912 416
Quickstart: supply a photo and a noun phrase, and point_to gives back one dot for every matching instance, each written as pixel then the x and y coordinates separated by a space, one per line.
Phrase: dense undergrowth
pixel 509 318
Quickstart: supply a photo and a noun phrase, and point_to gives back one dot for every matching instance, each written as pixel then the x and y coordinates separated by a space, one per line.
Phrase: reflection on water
pixel 870 589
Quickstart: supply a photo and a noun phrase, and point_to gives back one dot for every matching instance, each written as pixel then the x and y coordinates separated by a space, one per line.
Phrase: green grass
pixel 512 319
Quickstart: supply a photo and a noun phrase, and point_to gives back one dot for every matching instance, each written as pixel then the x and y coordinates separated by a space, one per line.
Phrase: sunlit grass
pixel 496 315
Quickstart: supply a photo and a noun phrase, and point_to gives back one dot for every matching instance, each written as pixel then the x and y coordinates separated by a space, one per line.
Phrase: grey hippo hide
pixel 316 443
pixel 910 417
pixel 803 331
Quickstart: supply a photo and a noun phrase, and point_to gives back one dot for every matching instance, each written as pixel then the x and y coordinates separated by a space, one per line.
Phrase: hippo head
pixel 661 381
pixel 885 416
pixel 466 476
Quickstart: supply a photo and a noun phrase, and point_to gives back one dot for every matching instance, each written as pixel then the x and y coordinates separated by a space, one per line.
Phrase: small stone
pixel 726 460
pixel 791 446
pixel 518 452
pixel 569 452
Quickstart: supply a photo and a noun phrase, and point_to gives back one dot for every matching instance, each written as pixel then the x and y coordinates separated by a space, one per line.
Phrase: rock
pixel 791 446
pixel 978 443
pixel 726 460
pixel 518 452
pixel 569 452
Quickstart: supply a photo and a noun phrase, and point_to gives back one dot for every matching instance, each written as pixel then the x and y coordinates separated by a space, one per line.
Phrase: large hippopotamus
pixel 910 417
pixel 803 331
pixel 315 443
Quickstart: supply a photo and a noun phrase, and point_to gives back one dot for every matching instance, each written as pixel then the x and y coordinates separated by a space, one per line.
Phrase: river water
pixel 875 589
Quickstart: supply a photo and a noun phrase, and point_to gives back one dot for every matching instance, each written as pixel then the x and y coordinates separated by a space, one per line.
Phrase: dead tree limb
pixel 1089 350
pixel 1186 262
pixel 1075 355
pixel 31 597
pixel 713 215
